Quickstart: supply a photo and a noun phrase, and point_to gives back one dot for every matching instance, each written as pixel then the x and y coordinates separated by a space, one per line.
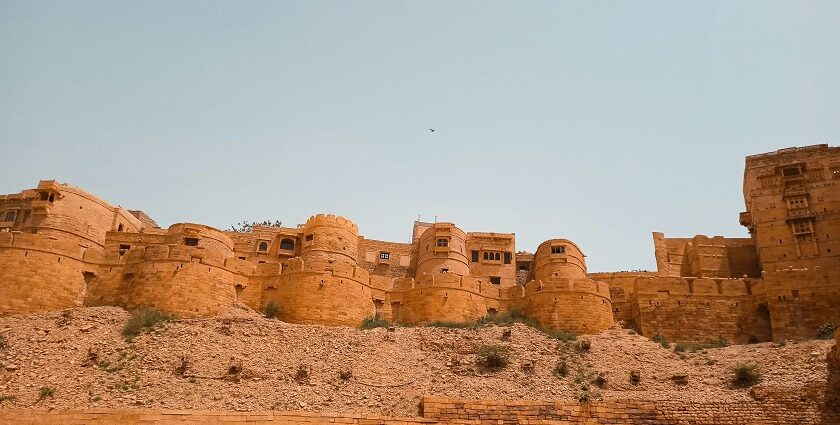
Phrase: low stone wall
pixel 769 411
pixel 191 417
pixel 781 409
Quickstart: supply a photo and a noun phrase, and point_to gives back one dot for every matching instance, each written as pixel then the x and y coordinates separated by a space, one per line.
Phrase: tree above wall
pixel 248 226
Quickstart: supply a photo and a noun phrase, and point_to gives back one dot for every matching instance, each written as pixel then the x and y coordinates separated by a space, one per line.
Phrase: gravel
pixel 186 364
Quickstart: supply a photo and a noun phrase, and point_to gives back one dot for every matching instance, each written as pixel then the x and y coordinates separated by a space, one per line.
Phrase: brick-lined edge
pixel 775 407
pixel 785 409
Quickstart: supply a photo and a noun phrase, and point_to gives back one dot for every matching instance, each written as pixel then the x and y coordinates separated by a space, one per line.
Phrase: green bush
pixel 507 318
pixel 142 319
pixel 272 310
pixel 452 325
pixel 492 357
pixel 745 375
pixel 45 392
pixel 826 331
pixel 600 381
pixel 720 343
pixel 562 369
pixel 561 335
pixel 374 322
pixel 517 316
pixel 659 338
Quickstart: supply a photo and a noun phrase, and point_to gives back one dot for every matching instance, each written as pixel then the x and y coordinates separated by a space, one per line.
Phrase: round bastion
pixel 331 238
pixel 561 297
pixel 442 249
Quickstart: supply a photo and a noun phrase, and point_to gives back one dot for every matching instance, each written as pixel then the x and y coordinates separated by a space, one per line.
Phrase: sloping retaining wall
pixel 771 410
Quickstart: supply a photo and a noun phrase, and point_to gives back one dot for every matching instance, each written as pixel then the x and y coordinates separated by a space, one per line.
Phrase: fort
pixel 62 247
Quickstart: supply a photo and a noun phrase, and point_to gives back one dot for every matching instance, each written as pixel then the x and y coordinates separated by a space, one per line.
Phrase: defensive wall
pixel 774 409
pixel 62 247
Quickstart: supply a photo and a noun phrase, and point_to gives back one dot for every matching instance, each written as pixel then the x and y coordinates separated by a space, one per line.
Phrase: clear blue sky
pixel 596 121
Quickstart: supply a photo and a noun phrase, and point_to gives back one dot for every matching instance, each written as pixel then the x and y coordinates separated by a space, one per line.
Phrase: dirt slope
pixel 390 371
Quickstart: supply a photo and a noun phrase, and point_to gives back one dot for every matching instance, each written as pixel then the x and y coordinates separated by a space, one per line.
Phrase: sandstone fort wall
pixel 62 247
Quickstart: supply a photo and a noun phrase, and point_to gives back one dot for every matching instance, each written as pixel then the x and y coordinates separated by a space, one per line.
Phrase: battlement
pixel 62 247
pixel 331 220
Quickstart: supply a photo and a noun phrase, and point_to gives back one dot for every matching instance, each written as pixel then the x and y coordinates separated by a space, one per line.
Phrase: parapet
pixel 330 237
pixel 331 220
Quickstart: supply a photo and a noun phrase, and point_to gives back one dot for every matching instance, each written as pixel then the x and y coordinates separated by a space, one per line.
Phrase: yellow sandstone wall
pixel 776 409
pixel 558 303
pixel 801 301
pixel 320 292
pixel 39 273
pixel 560 291
pixel 440 297
pixel 701 310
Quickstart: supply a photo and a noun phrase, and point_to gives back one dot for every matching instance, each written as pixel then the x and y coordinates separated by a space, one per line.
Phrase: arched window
pixel 287 244
pixel 51 198
pixel 120 228
pixel 262 247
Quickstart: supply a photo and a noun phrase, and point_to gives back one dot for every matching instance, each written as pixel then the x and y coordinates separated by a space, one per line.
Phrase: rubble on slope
pixel 243 361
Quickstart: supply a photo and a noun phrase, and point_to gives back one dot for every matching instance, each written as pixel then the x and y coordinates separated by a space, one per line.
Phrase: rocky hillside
pixel 242 361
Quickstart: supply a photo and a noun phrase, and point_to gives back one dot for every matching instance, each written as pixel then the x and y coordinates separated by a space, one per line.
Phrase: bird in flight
pixel 431 130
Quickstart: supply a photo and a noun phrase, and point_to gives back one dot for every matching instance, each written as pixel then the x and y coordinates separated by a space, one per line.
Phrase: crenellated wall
pixel 329 237
pixel 62 247
pixel 445 297
pixel 557 303
pixel 701 310
pixel 322 292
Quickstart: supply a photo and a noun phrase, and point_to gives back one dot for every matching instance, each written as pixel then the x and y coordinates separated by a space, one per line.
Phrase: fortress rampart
pixel 62 247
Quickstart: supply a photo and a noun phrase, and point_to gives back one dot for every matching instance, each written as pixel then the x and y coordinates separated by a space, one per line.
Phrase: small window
pixel 191 241
pixel 287 244
pixel 474 256
pixel 310 237
pixel 496 280
pixel 120 228
pixel 794 171
pixel 507 257
pixel 124 249
pixel 384 255
pixel 52 198
pixel 443 242
pixel 263 246
pixel 242 258
pixel 486 255
pixel 10 215
pixel 497 256
pixel 444 270
pixel 558 249
pixel 803 226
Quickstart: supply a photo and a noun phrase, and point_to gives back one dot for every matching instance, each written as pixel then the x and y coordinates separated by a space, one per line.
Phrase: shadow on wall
pixel 831 409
